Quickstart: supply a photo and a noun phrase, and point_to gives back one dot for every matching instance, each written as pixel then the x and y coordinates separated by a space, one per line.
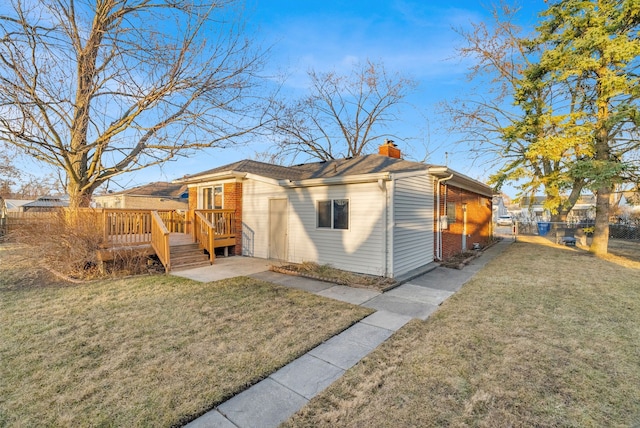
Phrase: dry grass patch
pixel 330 274
pixel 543 336
pixel 145 351
pixel 625 249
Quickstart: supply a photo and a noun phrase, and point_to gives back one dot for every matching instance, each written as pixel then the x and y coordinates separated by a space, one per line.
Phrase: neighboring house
pixel 156 196
pixel 374 214
pixel 15 205
pixel 500 203
pixel 629 207
pixel 45 204
pixel 533 209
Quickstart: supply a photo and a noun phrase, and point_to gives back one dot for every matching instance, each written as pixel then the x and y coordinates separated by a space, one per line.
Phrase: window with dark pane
pixel 324 214
pixel 341 214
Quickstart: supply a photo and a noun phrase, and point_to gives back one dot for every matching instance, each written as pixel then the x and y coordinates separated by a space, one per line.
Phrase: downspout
pixel 389 259
pixel 439 222
pixel 383 187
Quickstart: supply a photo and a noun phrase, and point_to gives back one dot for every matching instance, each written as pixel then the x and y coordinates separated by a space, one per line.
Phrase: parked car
pixel 504 220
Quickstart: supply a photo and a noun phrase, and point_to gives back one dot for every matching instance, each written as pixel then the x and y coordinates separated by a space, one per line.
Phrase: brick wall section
pixel 233 201
pixel 478 219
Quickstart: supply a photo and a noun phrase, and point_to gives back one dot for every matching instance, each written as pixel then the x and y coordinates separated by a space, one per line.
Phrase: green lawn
pixel 144 351
pixel 543 336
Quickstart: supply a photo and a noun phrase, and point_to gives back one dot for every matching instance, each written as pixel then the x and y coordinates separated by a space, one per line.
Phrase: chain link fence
pixel 580 230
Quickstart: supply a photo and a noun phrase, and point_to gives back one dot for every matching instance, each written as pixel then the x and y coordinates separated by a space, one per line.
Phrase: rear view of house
pixel 375 214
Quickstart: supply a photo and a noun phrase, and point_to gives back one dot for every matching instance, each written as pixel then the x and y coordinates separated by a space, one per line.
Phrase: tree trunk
pixel 567 206
pixel 78 197
pixel 600 243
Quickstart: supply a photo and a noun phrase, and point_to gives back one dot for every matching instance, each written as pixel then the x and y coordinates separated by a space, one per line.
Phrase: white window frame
pixel 211 188
pixel 333 214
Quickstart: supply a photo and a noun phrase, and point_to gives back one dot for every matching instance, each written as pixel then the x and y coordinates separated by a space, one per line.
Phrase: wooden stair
pixel 188 256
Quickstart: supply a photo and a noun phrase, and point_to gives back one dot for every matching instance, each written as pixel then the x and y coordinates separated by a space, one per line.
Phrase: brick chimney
pixel 389 149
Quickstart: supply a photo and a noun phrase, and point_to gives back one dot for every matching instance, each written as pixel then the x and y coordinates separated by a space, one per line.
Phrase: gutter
pixel 462 181
pixel 350 179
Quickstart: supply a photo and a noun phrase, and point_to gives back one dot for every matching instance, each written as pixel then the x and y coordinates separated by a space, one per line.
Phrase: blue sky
pixel 413 37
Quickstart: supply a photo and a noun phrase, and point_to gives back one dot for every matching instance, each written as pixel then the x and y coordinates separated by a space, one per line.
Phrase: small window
pixel 333 214
pixel 451 212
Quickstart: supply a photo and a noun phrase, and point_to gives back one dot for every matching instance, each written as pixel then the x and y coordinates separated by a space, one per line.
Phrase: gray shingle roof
pixel 47 202
pixel 158 189
pixel 341 167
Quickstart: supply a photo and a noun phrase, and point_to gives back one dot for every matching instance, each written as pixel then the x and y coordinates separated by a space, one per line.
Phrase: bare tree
pixel 9 173
pixel 100 88
pixel 342 114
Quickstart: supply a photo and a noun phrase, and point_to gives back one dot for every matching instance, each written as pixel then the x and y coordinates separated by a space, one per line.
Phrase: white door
pixel 278 229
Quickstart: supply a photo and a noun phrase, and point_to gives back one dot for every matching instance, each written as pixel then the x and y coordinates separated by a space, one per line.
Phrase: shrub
pixel 67 241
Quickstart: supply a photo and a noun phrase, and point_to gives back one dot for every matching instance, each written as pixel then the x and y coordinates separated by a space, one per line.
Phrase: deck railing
pixel 204 234
pixel 160 240
pixel 174 220
pixel 133 227
pixel 223 221
pixel 127 227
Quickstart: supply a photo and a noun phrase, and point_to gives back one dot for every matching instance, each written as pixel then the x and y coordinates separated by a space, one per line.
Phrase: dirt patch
pixel 328 273
pixel 459 261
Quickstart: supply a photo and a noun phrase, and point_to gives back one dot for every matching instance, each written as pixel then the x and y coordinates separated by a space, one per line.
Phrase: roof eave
pixel 462 181
pixel 223 175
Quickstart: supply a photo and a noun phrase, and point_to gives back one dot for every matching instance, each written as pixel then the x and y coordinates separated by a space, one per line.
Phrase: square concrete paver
pixel 366 335
pixel 419 293
pixel 401 306
pixel 301 283
pixel 212 419
pixel 442 278
pixel 340 352
pixel 356 296
pixel 266 404
pixel 307 375
pixel 385 319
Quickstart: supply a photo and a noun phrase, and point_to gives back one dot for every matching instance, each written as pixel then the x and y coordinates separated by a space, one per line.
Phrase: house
pixel 15 205
pixel 45 204
pixel 533 209
pixel 158 196
pixel 376 214
pixel 500 203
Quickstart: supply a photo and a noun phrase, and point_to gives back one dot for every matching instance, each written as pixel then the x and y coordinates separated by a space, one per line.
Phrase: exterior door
pixel 278 229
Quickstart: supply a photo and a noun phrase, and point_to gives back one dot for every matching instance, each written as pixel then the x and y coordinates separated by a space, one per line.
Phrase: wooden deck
pixel 155 232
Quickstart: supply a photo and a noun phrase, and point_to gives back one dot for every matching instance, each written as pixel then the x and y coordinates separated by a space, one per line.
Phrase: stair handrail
pixel 160 240
pixel 204 233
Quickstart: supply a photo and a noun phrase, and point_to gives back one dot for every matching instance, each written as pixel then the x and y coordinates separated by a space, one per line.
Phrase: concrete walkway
pixel 274 399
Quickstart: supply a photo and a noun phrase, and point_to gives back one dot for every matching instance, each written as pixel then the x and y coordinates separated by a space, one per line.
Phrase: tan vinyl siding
pixel 413 223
